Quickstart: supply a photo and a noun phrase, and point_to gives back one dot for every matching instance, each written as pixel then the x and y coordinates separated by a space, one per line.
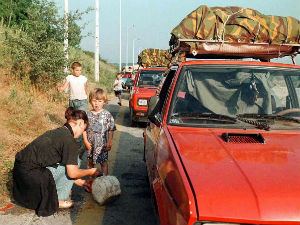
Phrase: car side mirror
pixel 153 113
pixel 156 119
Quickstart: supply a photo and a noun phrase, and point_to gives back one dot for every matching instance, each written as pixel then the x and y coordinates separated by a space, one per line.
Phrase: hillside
pixel 27 111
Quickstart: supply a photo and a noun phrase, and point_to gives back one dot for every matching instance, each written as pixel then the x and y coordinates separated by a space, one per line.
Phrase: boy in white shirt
pixel 118 87
pixel 78 88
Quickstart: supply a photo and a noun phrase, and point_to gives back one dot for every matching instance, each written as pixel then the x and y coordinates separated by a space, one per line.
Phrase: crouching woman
pixel 45 170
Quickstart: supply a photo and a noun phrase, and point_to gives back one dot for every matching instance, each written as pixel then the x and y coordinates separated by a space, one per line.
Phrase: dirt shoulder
pixel 25 113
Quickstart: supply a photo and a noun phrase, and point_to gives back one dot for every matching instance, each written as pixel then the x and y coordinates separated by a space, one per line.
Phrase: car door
pixel 153 130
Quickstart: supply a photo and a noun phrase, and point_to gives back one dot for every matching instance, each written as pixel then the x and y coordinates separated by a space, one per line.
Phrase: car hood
pixel 242 181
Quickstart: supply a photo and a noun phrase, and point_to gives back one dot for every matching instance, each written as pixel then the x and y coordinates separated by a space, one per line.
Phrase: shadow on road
pixel 133 207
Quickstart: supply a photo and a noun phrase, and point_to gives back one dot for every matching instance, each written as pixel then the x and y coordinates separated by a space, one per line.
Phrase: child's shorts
pixel 78 104
pixel 118 93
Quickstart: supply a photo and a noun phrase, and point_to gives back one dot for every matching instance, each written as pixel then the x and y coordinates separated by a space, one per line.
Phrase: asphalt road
pixel 132 207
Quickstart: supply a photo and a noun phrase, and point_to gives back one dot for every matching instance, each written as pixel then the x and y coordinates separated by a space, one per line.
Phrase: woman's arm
pixel 74 172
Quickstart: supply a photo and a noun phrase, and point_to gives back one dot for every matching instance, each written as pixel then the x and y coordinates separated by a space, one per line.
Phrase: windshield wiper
pixel 268 116
pixel 205 115
pixel 258 125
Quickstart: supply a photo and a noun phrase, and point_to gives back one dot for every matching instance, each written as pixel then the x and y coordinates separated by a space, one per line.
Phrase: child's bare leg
pixel 104 167
pixel 90 163
pixel 120 99
pixel 89 166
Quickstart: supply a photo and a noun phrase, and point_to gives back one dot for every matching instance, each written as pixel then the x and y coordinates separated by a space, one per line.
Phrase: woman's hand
pixel 94 172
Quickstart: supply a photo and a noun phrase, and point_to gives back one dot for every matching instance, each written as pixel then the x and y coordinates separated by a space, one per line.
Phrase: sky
pixel 149 22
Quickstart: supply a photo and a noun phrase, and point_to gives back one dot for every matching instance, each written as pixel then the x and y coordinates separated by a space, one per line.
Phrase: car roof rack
pixel 211 49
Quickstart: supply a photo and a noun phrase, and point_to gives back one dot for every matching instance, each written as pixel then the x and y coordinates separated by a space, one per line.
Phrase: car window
pixel 165 89
pixel 232 91
pixel 296 84
pixel 149 78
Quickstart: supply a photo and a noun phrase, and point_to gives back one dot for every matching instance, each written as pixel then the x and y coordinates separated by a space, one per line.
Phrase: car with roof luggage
pixel 222 145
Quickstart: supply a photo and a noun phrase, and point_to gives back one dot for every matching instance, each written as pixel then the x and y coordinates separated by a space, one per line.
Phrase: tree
pixel 37 48
pixel 18 13
pixel 14 12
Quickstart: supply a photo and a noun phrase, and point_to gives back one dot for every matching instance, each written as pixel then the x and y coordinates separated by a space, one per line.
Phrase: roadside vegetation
pixel 31 67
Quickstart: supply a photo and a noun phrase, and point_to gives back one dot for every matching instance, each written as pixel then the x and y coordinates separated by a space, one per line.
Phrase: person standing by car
pixel 45 170
pixel 118 87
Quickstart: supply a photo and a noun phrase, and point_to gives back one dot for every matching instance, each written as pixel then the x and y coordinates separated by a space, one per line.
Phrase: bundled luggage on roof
pixel 235 32
pixel 154 58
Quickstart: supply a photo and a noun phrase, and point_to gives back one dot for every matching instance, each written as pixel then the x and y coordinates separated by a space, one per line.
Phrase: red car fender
pixel 174 196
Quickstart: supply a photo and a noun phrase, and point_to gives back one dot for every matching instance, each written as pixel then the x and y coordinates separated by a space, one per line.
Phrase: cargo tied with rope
pixel 236 32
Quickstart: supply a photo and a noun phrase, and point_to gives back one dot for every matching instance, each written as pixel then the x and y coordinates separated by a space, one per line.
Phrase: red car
pixel 144 86
pixel 127 75
pixel 223 144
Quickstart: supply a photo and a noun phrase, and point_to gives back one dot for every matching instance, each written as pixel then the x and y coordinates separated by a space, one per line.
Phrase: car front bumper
pixel 140 116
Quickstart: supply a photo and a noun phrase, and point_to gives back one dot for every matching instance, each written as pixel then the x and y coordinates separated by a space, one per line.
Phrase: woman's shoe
pixel 65 204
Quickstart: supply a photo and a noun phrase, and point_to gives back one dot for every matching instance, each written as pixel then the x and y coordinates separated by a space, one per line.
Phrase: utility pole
pixel 127 44
pixel 133 51
pixel 120 66
pixel 66 43
pixel 97 40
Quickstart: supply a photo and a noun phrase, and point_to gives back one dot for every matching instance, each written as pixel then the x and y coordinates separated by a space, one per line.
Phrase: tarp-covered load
pixel 154 57
pixel 236 24
pixel 243 29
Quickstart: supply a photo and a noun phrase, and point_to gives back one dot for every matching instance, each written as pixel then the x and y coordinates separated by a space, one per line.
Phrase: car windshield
pixel 149 78
pixel 264 94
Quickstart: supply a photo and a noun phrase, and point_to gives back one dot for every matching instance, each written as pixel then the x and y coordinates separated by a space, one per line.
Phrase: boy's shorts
pixel 78 104
pixel 118 93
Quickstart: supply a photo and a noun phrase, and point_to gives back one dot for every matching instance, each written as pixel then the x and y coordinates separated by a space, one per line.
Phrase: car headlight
pixel 142 102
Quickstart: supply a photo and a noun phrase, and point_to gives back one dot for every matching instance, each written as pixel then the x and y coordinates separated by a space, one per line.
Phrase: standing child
pixel 78 88
pixel 118 87
pixel 99 134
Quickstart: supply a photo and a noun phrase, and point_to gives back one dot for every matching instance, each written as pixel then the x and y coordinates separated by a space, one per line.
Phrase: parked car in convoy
pixel 127 80
pixel 222 146
pixel 144 86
